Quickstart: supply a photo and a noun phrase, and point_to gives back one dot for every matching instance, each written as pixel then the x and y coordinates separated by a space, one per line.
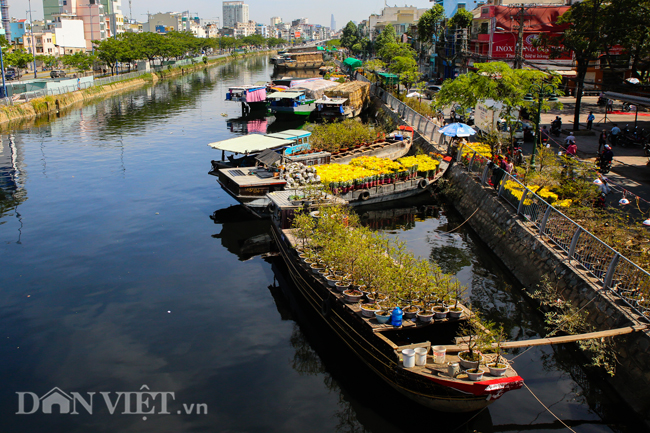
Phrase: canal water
pixel 134 296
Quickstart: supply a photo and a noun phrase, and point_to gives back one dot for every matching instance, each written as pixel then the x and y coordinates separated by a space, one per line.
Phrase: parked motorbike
pixel 633 138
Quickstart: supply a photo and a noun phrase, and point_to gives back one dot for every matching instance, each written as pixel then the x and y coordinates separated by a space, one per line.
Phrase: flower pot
pixel 411 314
pixel 316 268
pixel 368 310
pixel 440 312
pixel 352 296
pixel 455 314
pixel 497 371
pixel 381 318
pixel 425 316
pixel 332 280
pixel 341 286
pixel 467 363
pixel 475 374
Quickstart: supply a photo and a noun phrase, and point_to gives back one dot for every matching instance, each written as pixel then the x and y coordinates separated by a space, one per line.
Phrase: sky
pixel 318 12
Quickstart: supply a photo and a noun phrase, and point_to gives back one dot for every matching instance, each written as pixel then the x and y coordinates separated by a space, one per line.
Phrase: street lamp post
pixel 2 68
pixel 543 91
pixel 31 30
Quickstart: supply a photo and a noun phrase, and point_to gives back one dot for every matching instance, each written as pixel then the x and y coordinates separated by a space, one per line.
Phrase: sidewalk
pixel 630 169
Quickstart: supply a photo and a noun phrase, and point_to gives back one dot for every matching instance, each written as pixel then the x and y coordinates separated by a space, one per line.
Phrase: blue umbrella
pixel 457 130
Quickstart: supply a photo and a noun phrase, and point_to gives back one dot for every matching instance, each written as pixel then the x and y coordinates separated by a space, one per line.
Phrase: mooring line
pixel 548 410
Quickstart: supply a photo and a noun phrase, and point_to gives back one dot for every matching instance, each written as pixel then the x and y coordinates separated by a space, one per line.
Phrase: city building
pixel 164 22
pixel 401 18
pixel 17 28
pixel 244 29
pixel 5 29
pixel 262 30
pixel 69 33
pixel 44 43
pixel 495 31
pixel 333 24
pixel 275 21
pixel 234 12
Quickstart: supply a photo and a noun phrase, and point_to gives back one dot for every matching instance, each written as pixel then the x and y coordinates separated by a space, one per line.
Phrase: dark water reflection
pixel 114 276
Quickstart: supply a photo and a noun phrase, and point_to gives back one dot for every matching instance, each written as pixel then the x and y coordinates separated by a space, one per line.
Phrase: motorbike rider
pixel 556 125
pixel 544 134
pixel 615 134
pixel 607 156
pixel 571 139
pixel 602 140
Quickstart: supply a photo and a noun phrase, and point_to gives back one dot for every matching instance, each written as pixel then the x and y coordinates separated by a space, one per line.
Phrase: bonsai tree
pixel 477 335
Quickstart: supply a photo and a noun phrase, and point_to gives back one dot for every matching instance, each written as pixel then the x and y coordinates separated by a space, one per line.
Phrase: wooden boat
pixel 252 98
pixel 250 185
pixel 290 104
pixel 333 109
pixel 380 346
pixel 249 146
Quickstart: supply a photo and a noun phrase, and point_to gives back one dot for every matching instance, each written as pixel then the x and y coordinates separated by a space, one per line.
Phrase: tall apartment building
pixel 234 12
pixel 275 21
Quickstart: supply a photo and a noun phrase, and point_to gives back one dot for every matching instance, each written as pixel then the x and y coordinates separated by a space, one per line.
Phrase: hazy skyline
pixel 260 10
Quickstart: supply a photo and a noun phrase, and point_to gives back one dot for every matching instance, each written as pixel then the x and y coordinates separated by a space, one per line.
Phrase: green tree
pixel 496 81
pixel 584 37
pixel 108 51
pixel 387 36
pixel 18 58
pixel 462 19
pixel 80 60
pixel 430 24
pixel 350 35
pixel 407 69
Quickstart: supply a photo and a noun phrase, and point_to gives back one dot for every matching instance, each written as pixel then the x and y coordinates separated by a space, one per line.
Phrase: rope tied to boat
pixel 453 230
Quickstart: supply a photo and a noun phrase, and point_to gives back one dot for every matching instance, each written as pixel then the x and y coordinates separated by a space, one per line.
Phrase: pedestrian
pixel 78 83
pixel 497 172
pixel 614 134
pixel 602 140
pixel 509 165
pixel 610 106
pixel 590 119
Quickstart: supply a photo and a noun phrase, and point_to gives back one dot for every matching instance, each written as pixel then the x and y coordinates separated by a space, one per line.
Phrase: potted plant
pixel 456 311
pixel 425 316
pixel 368 310
pixel 499 366
pixel 475 374
pixel 352 296
pixel 477 337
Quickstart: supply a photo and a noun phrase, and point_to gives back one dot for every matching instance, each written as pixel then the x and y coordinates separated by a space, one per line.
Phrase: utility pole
pixel 519 48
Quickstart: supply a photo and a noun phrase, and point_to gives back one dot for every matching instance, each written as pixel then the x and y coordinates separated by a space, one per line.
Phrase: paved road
pixel 630 169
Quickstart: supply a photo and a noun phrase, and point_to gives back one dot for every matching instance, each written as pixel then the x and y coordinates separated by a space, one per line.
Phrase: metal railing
pixel 613 271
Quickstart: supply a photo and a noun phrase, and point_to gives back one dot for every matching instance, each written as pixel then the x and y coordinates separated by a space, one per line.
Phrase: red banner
pixel 503 47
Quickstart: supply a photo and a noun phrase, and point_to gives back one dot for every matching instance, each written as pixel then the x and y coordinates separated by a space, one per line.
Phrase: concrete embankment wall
pixel 51 104
pixel 530 258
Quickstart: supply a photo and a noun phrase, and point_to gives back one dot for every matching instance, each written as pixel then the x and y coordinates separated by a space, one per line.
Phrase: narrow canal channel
pixel 126 271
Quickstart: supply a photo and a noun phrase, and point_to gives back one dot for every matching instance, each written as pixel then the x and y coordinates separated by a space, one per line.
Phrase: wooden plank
pixel 387 341
pixel 426 344
pixel 556 340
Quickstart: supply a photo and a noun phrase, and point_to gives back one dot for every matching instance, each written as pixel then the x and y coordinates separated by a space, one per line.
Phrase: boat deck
pixel 281 199
pixel 251 176
pixel 437 372
pixel 385 149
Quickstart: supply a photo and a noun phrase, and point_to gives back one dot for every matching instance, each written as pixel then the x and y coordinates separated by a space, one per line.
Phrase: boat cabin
pixel 241 151
pixel 247 94
pixel 332 108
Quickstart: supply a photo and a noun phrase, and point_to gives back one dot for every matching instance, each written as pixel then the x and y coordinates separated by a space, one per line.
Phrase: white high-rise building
pixel 275 21
pixel 234 12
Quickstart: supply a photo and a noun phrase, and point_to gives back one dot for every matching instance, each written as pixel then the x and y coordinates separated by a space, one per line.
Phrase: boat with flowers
pixel 329 262
pixel 289 167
